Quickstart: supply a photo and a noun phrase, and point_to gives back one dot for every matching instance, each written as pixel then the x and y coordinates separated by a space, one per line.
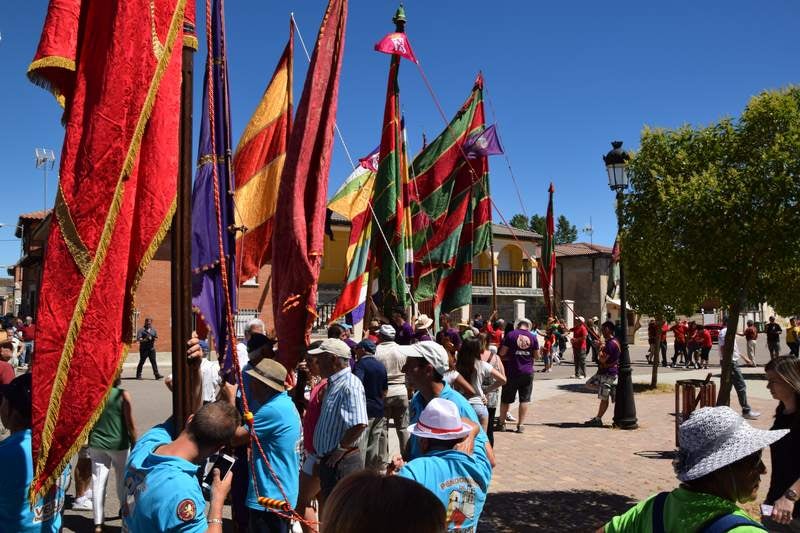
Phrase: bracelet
pixel 215 521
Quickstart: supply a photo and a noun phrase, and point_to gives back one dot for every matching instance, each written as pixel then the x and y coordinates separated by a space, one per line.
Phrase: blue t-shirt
pixel 277 425
pixel 418 403
pixel 162 492
pixel 372 374
pixel 16 459
pixel 460 481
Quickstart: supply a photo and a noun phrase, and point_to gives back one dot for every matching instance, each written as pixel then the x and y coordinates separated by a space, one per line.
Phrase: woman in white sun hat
pixel 718 464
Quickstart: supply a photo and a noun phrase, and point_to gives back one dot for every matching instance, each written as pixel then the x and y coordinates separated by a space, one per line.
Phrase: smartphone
pixel 222 461
pixel 766 510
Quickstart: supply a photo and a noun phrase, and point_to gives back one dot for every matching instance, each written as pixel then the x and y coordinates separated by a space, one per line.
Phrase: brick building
pixel 153 296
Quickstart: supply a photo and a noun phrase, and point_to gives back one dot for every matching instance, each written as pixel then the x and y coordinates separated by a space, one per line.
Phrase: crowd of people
pixel 312 446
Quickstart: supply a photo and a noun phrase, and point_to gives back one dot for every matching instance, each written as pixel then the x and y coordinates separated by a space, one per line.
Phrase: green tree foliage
pixel 538 224
pixel 519 221
pixel 714 212
pixel 565 232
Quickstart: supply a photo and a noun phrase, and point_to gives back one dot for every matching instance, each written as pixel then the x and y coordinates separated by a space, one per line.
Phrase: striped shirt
pixel 344 406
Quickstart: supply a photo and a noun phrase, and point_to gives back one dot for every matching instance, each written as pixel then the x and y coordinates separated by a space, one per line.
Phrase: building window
pixel 252 282
pixel 480 300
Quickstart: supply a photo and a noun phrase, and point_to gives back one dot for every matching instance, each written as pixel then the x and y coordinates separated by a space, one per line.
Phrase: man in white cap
pixel 460 481
pixel 395 405
pixel 719 464
pixel 343 416
pixel 426 364
pixel 518 351
pixel 277 424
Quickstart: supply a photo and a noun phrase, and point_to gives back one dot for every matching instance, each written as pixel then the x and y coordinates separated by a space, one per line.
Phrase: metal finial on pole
pixel 399 19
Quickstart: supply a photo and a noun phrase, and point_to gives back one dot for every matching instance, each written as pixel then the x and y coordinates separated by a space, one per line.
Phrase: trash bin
pixel 760 327
pixel 691 394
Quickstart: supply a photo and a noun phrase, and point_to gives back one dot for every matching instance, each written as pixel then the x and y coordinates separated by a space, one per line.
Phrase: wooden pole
pixel 185 376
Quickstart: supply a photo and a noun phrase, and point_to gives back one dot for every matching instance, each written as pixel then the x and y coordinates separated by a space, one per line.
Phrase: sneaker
pixel 520 429
pixel 82 504
pixel 159 377
pixel 510 418
pixel 594 423
pixel 750 415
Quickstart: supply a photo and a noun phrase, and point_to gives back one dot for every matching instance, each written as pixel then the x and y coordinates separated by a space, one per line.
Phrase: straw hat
pixel 423 321
pixel 714 437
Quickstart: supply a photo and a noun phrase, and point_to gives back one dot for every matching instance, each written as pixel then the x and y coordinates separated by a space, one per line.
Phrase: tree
pixel 519 221
pixel 565 232
pixel 538 224
pixel 714 212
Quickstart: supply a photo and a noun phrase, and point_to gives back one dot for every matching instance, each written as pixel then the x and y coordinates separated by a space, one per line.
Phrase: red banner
pixel 121 95
pixel 300 213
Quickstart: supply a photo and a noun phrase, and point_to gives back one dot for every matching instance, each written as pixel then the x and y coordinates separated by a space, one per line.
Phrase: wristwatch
pixel 791 495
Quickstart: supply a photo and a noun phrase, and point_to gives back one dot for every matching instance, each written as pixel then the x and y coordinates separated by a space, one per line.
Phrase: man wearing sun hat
pixel 422 328
pixel 277 425
pixel 459 480
pixel 718 464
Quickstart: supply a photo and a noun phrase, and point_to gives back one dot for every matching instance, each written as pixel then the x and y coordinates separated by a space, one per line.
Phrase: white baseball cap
pixel 336 347
pixel 440 420
pixel 431 351
pixel 386 331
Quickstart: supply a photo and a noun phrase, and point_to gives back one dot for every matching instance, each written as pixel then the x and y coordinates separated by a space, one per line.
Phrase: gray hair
pixel 256 322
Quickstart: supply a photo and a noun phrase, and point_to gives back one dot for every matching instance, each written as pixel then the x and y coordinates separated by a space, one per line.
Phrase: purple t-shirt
pixel 611 350
pixel 421 335
pixel 521 344
pixel 404 334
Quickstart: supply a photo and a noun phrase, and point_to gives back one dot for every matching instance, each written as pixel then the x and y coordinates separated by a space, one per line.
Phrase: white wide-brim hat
pixel 440 420
pixel 714 437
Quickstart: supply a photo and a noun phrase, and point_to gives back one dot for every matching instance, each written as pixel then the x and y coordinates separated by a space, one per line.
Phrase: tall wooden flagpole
pixel 185 376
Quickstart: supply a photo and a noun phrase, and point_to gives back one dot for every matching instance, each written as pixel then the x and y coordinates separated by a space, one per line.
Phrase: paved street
pixel 558 475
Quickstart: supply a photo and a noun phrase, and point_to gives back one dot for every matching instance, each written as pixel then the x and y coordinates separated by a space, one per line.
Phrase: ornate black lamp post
pixel 624 409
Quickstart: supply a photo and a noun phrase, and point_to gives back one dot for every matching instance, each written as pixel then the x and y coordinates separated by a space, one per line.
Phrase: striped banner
pixel 258 164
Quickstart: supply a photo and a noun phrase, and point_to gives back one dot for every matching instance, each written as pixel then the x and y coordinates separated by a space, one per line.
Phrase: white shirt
pixel 388 354
pixel 209 372
pixel 241 354
pixel 722 333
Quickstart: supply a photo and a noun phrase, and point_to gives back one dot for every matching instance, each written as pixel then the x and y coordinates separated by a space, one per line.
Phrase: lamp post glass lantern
pixel 625 408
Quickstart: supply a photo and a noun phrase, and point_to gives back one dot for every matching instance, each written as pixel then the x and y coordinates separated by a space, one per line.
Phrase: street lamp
pixel 624 409
pixel 45 159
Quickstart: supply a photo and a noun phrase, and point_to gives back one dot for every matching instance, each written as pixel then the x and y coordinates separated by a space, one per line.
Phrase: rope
pixel 505 153
pixel 400 271
pixel 472 170
pixel 223 263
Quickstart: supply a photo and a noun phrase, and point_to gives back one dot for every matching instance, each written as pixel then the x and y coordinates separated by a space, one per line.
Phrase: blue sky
pixel 564 78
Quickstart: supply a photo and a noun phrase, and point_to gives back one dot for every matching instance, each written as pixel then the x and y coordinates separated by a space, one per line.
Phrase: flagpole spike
pixel 399 19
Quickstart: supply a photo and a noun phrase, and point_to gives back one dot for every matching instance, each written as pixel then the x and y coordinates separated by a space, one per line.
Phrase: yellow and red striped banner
pixel 258 164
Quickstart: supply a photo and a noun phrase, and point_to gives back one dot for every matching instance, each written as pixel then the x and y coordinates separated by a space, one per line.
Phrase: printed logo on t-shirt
pixel 523 342
pixel 461 504
pixel 51 504
pixel 186 510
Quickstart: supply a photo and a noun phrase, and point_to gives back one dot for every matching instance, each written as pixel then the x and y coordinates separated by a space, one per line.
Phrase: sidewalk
pixel 562 476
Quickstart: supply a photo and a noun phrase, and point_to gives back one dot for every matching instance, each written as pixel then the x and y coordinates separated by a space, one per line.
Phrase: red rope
pixel 223 265
pixel 464 155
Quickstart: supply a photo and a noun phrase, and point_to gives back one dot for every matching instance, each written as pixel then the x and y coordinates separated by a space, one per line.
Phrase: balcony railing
pixel 505 278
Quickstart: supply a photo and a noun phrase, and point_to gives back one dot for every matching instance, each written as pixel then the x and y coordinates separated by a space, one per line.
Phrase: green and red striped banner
pixel 451 209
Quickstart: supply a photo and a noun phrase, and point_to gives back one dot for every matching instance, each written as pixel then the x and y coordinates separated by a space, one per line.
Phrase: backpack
pixel 719 524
